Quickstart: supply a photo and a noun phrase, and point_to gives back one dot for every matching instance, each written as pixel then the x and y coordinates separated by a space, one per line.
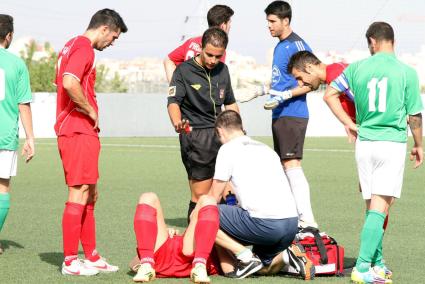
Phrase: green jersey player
pixel 15 98
pixel 386 93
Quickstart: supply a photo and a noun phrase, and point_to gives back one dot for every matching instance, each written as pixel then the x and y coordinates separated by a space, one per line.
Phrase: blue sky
pixel 156 27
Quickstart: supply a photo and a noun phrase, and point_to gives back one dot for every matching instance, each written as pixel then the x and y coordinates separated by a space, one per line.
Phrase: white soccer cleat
pixel 101 265
pixel 78 268
pixel 145 273
pixel 199 274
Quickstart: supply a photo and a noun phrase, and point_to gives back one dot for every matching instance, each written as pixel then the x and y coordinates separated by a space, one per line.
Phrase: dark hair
pixel 300 60
pixel 109 18
pixel 6 26
pixel 216 37
pixel 281 9
pixel 380 31
pixel 218 15
pixel 229 119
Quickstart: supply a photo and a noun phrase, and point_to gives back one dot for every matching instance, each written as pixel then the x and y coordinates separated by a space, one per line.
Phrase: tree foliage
pixel 42 71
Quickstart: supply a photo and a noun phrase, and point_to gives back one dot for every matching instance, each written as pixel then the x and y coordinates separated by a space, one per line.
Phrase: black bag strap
pixel 319 243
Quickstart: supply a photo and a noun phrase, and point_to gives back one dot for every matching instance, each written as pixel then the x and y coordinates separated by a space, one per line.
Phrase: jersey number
pixel 2 84
pixel 382 94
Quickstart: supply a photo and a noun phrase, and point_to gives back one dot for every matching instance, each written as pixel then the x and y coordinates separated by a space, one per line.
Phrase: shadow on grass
pixel 177 222
pixel 6 244
pixel 53 258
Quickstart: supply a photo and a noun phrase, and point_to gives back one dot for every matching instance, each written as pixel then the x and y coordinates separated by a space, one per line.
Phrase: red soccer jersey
pixel 190 48
pixel 76 59
pixel 332 72
pixel 171 262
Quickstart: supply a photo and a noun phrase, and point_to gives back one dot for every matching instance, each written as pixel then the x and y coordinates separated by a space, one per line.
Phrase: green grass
pixel 32 233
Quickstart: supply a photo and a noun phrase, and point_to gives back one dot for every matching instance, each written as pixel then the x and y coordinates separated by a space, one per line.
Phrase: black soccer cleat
pixel 300 262
pixel 244 269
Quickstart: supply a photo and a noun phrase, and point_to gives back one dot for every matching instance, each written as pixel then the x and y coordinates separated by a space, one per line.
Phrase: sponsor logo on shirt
pixel 196 47
pixel 275 76
pixel 65 50
pixel 221 93
pixel 196 86
pixel 171 91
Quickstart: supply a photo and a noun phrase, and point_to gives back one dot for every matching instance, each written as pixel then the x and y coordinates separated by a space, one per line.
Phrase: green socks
pixel 370 240
pixel 4 207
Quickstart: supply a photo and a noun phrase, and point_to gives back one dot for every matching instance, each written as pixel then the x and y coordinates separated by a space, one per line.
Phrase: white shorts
pixel 380 165
pixel 8 163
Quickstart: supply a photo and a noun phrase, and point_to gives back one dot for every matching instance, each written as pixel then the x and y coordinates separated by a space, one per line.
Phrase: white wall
pixel 123 115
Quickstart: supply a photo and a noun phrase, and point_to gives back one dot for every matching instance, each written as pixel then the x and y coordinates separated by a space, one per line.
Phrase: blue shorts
pixel 268 237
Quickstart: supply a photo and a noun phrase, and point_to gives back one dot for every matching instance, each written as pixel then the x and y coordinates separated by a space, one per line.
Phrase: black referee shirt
pixel 200 92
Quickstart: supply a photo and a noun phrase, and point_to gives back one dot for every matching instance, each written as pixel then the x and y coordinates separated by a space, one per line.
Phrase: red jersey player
pixel 218 16
pixel 310 71
pixel 164 254
pixel 78 142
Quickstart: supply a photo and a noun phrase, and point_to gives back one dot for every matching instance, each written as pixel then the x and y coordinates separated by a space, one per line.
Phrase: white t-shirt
pixel 260 184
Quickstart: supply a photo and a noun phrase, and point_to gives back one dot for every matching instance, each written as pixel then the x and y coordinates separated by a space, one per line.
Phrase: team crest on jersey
pixel 171 91
pixel 221 93
pixel 275 76
pixel 196 86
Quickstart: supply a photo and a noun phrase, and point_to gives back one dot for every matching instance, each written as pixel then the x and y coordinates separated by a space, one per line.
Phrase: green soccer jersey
pixel 385 92
pixel 14 90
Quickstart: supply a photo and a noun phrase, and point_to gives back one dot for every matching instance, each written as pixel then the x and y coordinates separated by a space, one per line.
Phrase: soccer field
pixel 32 234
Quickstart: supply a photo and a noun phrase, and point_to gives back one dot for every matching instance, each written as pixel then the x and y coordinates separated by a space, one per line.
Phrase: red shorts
pixel 80 158
pixel 348 107
pixel 171 262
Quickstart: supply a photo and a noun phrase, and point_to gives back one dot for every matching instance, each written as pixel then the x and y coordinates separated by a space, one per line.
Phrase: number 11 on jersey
pixel 382 94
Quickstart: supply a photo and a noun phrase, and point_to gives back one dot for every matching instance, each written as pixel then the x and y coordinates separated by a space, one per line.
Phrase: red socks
pixel 146 229
pixel 71 230
pixel 386 222
pixel 88 233
pixel 205 233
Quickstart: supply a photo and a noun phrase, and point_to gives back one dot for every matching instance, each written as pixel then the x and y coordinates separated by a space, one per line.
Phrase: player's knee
pixel 206 200
pixel 149 198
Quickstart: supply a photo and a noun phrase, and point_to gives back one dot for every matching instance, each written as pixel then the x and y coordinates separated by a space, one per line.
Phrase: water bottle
pixel 231 199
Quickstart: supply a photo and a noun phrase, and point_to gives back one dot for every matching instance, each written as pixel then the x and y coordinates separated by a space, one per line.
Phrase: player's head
pixel 108 26
pixel 6 30
pixel 220 16
pixel 307 69
pixel 228 125
pixel 379 35
pixel 214 43
pixel 279 15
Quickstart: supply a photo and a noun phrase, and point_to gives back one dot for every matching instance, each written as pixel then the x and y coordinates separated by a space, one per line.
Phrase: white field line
pixel 178 147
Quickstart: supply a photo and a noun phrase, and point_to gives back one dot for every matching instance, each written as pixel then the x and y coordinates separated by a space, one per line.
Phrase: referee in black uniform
pixel 199 89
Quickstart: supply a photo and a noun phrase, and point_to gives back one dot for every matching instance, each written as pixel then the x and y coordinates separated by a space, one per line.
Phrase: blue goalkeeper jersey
pixel 282 80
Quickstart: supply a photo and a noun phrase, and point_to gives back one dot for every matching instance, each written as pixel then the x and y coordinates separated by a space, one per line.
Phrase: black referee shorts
pixel 288 136
pixel 199 150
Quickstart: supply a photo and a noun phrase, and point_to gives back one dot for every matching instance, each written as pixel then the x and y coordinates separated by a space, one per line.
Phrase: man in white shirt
pixel 266 217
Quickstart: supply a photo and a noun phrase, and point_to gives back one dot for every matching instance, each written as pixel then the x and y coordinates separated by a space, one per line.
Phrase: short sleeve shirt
pixel 282 80
pixel 14 90
pixel 189 49
pixel 385 92
pixel 76 59
pixel 258 179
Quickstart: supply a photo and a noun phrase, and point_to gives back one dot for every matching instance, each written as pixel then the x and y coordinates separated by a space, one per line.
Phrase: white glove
pixel 257 91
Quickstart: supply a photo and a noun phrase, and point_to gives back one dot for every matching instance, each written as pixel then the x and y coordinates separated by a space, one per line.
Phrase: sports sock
pixel 301 192
pixel 146 230
pixel 205 233
pixel 245 255
pixel 71 229
pixel 192 206
pixel 370 238
pixel 386 222
pixel 4 207
pixel 88 233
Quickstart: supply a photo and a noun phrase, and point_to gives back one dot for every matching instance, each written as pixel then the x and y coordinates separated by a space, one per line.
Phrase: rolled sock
pixel 146 230
pixel 370 238
pixel 245 255
pixel 88 233
pixel 205 233
pixel 4 207
pixel 71 228
pixel 301 192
